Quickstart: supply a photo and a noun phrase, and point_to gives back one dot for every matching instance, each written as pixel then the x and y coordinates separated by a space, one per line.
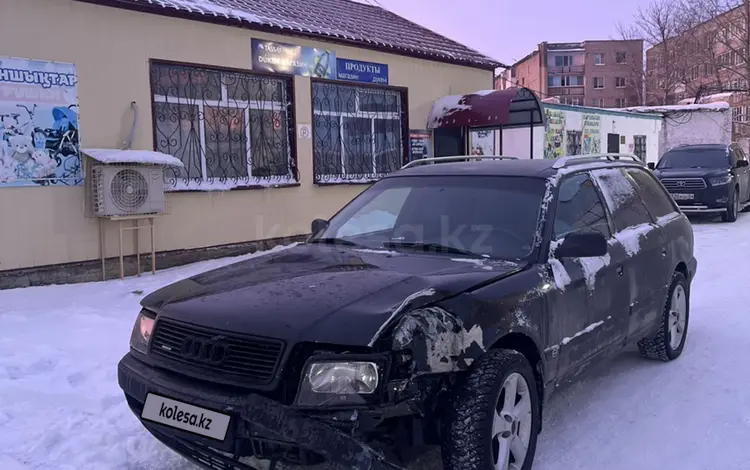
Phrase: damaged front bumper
pixel 256 424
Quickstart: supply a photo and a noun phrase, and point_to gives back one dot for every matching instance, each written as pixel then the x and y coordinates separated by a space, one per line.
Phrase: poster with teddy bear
pixel 38 123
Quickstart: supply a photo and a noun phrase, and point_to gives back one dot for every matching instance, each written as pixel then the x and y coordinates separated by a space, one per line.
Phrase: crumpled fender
pixel 439 341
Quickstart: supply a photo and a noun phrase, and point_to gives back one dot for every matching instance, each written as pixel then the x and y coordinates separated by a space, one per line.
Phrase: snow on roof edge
pixel 718 106
pixel 132 156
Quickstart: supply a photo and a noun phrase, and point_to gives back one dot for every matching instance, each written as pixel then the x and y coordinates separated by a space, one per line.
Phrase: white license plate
pixel 189 418
pixel 683 196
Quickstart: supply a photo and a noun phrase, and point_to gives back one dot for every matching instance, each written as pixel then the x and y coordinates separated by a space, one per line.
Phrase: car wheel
pixel 669 341
pixel 494 416
pixel 733 208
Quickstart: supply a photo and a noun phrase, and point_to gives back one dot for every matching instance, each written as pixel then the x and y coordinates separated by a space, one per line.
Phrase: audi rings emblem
pixel 213 351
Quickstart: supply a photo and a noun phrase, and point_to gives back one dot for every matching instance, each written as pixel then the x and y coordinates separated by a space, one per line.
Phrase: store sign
pixel 38 123
pixel 420 145
pixel 279 57
pixel 358 71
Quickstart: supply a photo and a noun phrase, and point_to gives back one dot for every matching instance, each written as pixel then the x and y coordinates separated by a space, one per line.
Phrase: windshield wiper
pixel 334 241
pixel 431 246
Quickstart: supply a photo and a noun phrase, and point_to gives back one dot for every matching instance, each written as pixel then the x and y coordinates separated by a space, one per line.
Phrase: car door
pixel 588 313
pixel 663 210
pixel 641 244
pixel 743 175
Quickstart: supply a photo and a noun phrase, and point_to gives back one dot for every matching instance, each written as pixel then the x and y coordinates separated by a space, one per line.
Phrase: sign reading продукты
pixel 358 71
pixel 279 57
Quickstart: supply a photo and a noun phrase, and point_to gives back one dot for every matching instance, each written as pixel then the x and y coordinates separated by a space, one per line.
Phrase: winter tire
pixel 733 208
pixel 494 416
pixel 669 341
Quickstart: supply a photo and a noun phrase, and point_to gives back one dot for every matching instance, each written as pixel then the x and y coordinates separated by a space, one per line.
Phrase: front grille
pixel 253 359
pixel 683 184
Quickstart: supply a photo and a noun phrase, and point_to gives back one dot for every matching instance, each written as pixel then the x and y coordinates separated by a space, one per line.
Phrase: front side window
pixel 695 158
pixel 492 216
pixel 358 132
pixel 579 208
pixel 229 128
pixel 622 198
pixel 657 201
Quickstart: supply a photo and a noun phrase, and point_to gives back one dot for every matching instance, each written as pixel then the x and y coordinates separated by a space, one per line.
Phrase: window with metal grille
pixel 639 146
pixel 229 128
pixel 358 132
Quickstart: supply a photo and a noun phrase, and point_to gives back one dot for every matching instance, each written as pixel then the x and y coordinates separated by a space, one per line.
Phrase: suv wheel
pixel 494 416
pixel 733 207
pixel 669 341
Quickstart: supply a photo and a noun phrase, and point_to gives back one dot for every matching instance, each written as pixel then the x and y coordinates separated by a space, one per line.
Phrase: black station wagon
pixel 438 309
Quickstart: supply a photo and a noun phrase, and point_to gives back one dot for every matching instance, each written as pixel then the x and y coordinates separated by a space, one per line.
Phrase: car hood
pixel 320 293
pixel 690 172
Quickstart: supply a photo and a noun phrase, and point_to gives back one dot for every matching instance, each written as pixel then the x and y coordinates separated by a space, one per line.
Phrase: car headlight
pixel 338 383
pixel 726 179
pixel 141 335
pixel 343 377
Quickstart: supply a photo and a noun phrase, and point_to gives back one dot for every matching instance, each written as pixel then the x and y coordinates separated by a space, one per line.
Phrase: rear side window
pixel 653 195
pixel 579 208
pixel 621 196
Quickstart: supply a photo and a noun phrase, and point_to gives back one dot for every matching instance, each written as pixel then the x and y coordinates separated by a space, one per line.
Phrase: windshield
pixel 487 216
pixel 695 158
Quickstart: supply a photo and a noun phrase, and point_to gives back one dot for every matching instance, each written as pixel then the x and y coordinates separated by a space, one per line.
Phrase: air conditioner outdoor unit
pixel 127 190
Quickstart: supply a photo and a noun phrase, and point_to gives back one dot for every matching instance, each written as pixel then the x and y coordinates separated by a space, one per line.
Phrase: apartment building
pixel 604 74
pixel 705 63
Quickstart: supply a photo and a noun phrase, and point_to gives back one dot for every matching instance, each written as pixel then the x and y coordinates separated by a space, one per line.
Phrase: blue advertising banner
pixel 358 71
pixel 38 123
pixel 270 56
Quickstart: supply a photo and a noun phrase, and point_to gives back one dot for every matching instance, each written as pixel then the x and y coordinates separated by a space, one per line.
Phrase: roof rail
pixel 570 160
pixel 456 158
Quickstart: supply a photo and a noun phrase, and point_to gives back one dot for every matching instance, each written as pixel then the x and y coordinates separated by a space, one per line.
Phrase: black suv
pixel 708 178
pixel 439 308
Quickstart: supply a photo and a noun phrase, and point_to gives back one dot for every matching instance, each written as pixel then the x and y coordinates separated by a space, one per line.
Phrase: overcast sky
pixel 507 30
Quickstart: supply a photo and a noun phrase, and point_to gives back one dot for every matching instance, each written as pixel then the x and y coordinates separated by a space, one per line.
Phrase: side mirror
pixel 742 163
pixel 651 165
pixel 318 225
pixel 582 245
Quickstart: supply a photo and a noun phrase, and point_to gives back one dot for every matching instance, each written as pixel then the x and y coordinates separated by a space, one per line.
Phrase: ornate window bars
pixel 229 128
pixel 359 133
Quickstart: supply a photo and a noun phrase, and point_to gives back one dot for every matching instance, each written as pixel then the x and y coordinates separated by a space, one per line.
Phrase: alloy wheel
pixel 511 428
pixel 677 317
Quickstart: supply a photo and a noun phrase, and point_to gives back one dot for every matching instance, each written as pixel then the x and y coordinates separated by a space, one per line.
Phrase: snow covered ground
pixel 61 408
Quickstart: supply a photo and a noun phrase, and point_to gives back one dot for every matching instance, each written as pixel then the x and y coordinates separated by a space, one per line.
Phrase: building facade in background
pixel 275 127
pixel 603 74
pixel 706 63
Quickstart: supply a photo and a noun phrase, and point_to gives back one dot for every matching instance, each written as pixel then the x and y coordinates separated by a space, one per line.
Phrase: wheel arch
pixel 525 345
pixel 683 269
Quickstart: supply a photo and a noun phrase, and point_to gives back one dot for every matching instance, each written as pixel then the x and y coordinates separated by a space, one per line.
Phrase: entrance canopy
pixel 512 107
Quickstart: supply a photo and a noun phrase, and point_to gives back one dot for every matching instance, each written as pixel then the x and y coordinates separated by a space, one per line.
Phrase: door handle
pixel 620 271
pixel 664 251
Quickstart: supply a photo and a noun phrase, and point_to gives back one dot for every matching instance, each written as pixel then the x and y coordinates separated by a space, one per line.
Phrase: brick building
pixel 707 63
pixel 605 74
